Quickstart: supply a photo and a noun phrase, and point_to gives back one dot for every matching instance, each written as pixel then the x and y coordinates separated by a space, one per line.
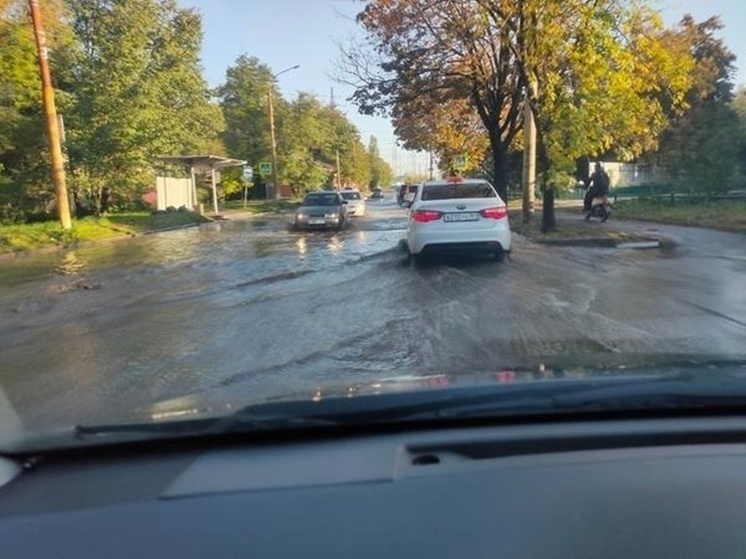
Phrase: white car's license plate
pixel 317 222
pixel 464 216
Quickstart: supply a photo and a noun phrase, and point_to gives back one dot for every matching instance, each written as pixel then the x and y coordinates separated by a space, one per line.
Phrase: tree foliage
pixel 244 100
pixel 24 170
pixel 702 147
pixel 431 66
pixel 597 74
pixel 381 173
pixel 310 134
pixel 128 84
pixel 139 93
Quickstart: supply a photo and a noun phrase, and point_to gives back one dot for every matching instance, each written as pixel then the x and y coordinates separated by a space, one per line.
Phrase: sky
pixel 283 33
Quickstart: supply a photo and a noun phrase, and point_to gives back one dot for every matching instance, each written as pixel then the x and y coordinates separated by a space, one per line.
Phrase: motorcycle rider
pixel 600 184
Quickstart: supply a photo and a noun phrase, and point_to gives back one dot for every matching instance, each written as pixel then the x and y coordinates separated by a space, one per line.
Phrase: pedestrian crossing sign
pixel 461 162
pixel 265 168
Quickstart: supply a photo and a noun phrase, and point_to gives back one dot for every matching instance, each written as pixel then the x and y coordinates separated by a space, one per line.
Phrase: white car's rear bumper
pixel 424 239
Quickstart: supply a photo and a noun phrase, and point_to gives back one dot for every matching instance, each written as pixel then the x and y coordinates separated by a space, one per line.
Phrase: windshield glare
pixel 215 205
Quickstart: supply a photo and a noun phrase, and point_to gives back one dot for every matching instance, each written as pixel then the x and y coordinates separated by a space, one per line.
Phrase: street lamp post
pixel 272 129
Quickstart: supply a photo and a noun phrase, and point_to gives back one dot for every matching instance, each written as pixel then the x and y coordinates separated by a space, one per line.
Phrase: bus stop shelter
pixel 202 164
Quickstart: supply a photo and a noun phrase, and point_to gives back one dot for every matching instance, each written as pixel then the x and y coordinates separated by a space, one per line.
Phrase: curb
pixel 593 242
pixel 640 243
pixel 175 228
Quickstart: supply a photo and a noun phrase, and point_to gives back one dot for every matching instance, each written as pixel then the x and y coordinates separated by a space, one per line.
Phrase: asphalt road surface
pixel 92 333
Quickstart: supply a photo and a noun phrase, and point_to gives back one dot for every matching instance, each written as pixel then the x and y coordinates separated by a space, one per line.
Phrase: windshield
pixel 321 200
pixel 176 238
pixel 350 195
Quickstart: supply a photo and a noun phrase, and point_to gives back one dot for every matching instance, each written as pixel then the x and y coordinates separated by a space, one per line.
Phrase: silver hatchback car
pixel 321 210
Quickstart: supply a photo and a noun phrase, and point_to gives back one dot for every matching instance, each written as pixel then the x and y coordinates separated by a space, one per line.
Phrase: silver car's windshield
pixel 321 200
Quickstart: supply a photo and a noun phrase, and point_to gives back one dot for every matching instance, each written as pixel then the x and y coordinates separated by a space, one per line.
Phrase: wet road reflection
pixel 92 333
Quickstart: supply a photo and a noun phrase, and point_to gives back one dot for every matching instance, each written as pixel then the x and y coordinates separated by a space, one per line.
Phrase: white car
pixel 458 215
pixel 355 202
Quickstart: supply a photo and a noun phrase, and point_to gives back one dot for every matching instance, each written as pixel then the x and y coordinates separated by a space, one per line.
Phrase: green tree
pixel 591 71
pixel 700 149
pixel 420 56
pixel 345 142
pixel 244 99
pixel 739 107
pixel 25 181
pixel 139 94
pixel 598 77
pixel 305 145
pixel 381 173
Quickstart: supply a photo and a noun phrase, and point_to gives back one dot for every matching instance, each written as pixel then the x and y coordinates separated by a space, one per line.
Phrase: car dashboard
pixel 667 487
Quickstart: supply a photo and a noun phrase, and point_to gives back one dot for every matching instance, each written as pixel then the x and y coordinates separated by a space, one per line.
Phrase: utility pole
pixel 529 158
pixel 270 95
pixel 276 192
pixel 50 112
pixel 339 175
pixel 431 164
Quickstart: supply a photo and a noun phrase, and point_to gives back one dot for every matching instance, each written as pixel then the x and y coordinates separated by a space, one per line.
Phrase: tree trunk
pixel 94 197
pixel 548 217
pixel 500 164
pixel 106 195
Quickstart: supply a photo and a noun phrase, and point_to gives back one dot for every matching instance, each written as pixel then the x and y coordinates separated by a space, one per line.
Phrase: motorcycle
pixel 600 208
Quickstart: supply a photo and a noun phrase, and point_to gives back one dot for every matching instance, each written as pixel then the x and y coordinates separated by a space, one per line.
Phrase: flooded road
pixel 249 307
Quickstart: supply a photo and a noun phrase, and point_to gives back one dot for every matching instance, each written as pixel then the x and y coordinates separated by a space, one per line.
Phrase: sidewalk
pixel 574 230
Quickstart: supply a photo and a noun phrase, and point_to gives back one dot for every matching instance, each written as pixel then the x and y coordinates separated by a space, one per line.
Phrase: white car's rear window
pixel 350 195
pixel 457 190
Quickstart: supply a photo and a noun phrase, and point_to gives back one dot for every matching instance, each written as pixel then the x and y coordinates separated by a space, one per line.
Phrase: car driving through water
pixel 321 210
pixel 355 202
pixel 457 216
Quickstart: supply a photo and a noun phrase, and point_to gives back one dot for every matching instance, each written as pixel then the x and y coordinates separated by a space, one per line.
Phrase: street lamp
pixel 272 129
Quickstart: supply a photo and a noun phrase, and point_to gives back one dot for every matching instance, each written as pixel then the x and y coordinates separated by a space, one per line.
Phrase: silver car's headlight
pixel 332 216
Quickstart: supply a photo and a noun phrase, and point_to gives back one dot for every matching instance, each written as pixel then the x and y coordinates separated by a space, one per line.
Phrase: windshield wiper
pixel 678 392
pixel 243 421
pixel 692 392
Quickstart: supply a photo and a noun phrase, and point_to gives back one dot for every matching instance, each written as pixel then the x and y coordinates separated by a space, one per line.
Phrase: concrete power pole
pixel 339 174
pixel 50 112
pixel 529 160
pixel 276 189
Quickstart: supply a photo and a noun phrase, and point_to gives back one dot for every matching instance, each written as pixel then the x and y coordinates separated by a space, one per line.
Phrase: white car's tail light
pixel 494 213
pixel 424 216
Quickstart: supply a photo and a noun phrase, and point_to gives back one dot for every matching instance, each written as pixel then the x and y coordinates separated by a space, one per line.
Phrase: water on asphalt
pixel 248 306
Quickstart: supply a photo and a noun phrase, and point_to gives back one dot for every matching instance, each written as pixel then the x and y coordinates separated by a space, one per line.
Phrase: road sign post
pixel 248 173
pixel 265 170
pixel 247 176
